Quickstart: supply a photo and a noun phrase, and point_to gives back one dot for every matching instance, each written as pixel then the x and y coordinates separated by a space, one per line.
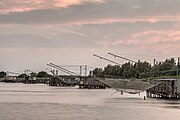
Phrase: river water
pixel 42 102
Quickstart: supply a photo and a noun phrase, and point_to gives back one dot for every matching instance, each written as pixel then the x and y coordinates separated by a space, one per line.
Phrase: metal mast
pixel 62 69
pixel 106 59
pixel 122 57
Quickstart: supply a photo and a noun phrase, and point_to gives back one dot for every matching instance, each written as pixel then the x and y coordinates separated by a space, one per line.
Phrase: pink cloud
pixel 66 3
pixel 152 19
pixel 160 41
pixel 28 5
pixel 155 36
pixel 165 49
pixel 4 25
pixel 42 50
pixel 157 45
pixel 6 50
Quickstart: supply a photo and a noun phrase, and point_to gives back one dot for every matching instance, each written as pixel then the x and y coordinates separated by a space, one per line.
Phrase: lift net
pixel 129 86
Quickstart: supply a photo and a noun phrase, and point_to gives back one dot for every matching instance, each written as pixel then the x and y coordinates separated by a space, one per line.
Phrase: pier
pixel 64 80
pixel 84 82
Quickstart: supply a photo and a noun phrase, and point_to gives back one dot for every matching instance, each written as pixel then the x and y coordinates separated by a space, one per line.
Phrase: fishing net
pixel 129 85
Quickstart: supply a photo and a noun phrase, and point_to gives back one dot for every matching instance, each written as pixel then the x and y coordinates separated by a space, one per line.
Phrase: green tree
pixel 97 72
pixel 167 67
pixel 2 74
pixel 43 74
pixel 139 69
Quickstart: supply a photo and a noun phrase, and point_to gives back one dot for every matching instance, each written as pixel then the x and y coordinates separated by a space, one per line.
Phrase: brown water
pixel 41 102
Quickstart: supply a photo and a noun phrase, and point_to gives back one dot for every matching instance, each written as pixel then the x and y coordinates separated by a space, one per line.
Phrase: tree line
pixel 140 69
pixel 41 74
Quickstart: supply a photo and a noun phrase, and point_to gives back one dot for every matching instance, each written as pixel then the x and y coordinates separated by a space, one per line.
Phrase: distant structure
pixel 11 77
pixel 82 69
pixel 80 79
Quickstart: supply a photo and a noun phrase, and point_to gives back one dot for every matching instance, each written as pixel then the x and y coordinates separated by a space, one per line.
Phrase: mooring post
pixel 144 97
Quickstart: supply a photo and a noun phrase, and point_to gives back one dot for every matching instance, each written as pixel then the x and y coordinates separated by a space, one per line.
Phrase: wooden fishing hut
pixel 166 89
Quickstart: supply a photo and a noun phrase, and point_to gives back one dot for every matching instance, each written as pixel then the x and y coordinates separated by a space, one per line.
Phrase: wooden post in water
pixel 178 64
pixel 81 71
pixel 154 62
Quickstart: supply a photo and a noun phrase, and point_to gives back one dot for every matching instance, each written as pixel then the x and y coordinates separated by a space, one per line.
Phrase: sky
pixel 67 32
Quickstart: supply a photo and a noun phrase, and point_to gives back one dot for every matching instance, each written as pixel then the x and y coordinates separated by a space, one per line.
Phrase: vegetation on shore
pixel 165 69
pixel 2 74
pixel 41 74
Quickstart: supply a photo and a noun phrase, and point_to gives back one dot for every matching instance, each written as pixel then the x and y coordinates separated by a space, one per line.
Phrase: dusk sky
pixel 67 32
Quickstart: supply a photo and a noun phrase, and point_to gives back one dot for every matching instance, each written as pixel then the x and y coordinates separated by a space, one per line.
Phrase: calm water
pixel 41 102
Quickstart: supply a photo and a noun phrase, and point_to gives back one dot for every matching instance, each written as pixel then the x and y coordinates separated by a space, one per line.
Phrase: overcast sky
pixel 36 32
